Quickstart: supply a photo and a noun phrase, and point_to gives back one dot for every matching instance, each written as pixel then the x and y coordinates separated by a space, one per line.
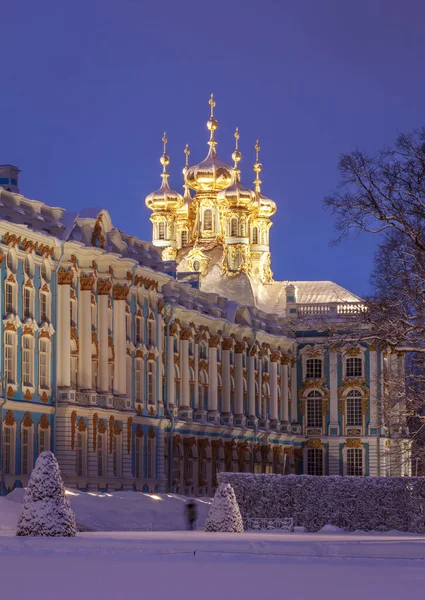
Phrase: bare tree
pixel 384 194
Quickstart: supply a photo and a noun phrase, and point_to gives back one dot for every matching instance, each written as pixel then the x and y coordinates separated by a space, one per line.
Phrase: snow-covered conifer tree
pixel 224 514
pixel 46 510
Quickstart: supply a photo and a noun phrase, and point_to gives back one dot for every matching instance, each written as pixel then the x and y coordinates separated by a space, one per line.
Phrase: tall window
pixel 44 362
pixel 150 382
pixel 353 367
pixel 138 374
pixel 313 368
pixel 138 455
pixel 315 461
pixel 9 292
pixel 28 360
pixel 314 409
pixel 128 325
pixel 74 371
pixel 355 462
pixel 27 303
pixel 234 228
pixel 100 451
pixel 255 235
pixel 139 330
pixel 242 228
pixel 10 356
pixel 26 454
pixel 44 307
pixel 208 220
pixel 161 230
pixel 151 333
pixel 203 390
pixel 8 441
pixel 354 409
pixel 43 440
pixel 116 455
pixel 150 458
pixel 203 351
pixel 80 454
pixel 73 313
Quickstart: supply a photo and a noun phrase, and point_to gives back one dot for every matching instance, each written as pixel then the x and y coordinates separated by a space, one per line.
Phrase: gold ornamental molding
pixel 2 257
pixel 120 292
pixel 353 443
pixel 44 422
pixel 227 344
pixel 65 277
pixel 314 443
pixel 239 347
pixel 86 283
pixel 103 287
pixel 214 341
pixel 285 359
pixel 9 419
pixel 275 356
pixel 185 334
pixel 27 420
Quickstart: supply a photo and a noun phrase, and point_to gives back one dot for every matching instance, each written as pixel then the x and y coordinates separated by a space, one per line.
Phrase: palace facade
pixel 153 366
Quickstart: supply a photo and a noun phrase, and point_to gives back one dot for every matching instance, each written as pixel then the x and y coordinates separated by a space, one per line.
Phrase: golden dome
pixel 210 175
pixel 237 195
pixel 266 207
pixel 164 199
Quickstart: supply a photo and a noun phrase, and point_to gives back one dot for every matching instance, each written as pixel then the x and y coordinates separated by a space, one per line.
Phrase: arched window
pixel 314 409
pixel 12 261
pixel 150 382
pixel 354 367
pixel 161 230
pixel 203 351
pixel 151 455
pixel 101 454
pixel 255 235
pixel 117 450
pixel 44 364
pixel 44 306
pixel 138 382
pixel 128 325
pixel 208 220
pixel 45 272
pixel 354 409
pixel 151 333
pixel 139 329
pixel 354 465
pixel 81 453
pixel 27 360
pixel 177 386
pixel 265 365
pixel 232 395
pixel 184 237
pixel 138 453
pixel 203 390
pixel 315 461
pixel 94 366
pixel 9 447
pixel 191 347
pixel 234 227
pixel 26 449
pixel 10 356
pixel 29 267
pixel 43 435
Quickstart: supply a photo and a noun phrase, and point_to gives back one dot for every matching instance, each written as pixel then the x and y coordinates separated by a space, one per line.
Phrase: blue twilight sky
pixel 89 86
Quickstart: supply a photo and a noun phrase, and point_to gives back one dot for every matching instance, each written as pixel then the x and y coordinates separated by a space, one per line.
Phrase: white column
pixel 84 333
pixel 238 379
pixel 212 375
pixel 184 369
pixel 103 289
pixel 225 375
pixel 120 350
pixel 333 388
pixel 170 366
pixel 273 387
pixel 64 329
pixel 285 389
pixel 160 346
pixel 251 386
pixel 294 391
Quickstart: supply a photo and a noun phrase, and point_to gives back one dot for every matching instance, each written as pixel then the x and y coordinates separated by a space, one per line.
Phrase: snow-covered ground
pixel 117 511
pixel 194 565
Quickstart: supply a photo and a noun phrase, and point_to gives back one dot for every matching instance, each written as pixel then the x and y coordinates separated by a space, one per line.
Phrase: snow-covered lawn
pixel 192 565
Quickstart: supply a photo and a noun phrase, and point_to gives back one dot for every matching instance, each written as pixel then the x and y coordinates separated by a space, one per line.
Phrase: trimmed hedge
pixel 352 503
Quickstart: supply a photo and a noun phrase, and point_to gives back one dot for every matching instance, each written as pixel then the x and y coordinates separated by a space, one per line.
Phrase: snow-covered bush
pixel 46 510
pixel 224 514
pixel 351 503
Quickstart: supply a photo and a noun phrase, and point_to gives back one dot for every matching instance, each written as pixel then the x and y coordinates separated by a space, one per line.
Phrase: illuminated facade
pixel 154 366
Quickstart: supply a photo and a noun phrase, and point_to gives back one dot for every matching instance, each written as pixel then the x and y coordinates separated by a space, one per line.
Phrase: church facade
pixel 154 366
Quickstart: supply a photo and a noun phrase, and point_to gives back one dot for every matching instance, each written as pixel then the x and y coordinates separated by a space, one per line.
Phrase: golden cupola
pixel 211 175
pixel 265 206
pixel 237 195
pixel 164 199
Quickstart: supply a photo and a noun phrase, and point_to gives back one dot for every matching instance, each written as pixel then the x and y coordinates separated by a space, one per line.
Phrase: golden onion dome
pixel 266 207
pixel 210 175
pixel 164 199
pixel 237 195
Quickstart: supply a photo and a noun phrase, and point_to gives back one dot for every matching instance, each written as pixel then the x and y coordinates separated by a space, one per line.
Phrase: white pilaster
pixel 294 392
pixel 373 376
pixel 103 289
pixel 170 369
pixel 84 333
pixel 238 383
pixel 64 329
pixel 120 294
pixel 225 375
pixel 184 371
pixel 212 375
pixel 273 389
pixel 285 390
pixel 251 386
pixel 333 389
